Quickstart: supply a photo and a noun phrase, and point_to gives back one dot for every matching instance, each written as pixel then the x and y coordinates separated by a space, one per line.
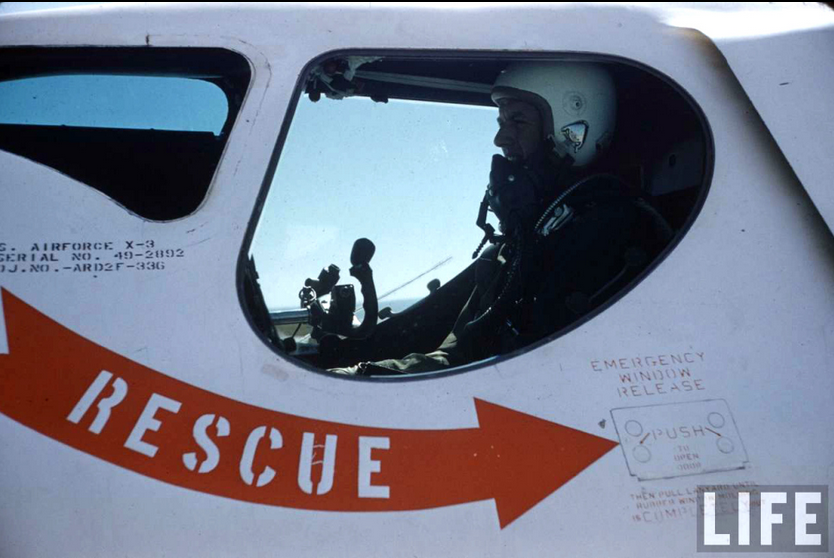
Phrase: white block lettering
pixel 104 406
pixel 744 518
pixel 206 444
pixel 368 467
pixel 711 538
pixel 147 421
pixel 769 519
pixel 89 397
pixel 803 519
pixel 248 457
pixel 305 464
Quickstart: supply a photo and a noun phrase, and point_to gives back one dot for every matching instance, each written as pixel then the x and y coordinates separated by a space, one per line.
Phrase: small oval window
pixel 145 126
pixel 120 102
pixel 429 213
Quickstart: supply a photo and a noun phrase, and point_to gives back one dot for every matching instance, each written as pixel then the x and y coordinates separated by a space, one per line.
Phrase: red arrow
pixel 83 395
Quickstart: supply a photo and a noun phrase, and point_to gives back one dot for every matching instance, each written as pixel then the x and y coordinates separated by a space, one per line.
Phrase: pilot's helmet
pixel 577 101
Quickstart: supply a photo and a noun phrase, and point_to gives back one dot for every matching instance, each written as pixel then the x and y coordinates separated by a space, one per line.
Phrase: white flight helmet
pixel 577 101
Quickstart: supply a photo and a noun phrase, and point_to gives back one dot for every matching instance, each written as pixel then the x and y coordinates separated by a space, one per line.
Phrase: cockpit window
pixel 430 213
pixel 144 126
pixel 388 172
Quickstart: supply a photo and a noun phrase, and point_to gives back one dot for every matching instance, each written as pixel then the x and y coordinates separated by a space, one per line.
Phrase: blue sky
pixel 12 7
pixel 114 102
pixel 407 175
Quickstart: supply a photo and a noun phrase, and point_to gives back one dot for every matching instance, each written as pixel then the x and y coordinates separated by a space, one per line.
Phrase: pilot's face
pixel 519 130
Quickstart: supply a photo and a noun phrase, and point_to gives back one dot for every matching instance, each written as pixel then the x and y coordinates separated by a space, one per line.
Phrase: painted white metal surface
pixel 780 54
pixel 749 288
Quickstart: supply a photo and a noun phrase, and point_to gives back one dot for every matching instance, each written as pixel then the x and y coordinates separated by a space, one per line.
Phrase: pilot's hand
pixel 359 369
pixel 354 370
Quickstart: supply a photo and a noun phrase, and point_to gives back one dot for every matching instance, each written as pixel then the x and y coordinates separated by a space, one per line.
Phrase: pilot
pixel 570 235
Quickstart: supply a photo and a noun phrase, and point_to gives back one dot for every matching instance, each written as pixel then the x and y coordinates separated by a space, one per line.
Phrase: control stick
pixel 338 318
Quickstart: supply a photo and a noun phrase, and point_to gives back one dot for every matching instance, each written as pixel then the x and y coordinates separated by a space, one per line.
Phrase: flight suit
pixel 598 239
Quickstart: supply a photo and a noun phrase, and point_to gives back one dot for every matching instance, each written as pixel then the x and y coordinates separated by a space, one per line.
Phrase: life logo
pixel 781 519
